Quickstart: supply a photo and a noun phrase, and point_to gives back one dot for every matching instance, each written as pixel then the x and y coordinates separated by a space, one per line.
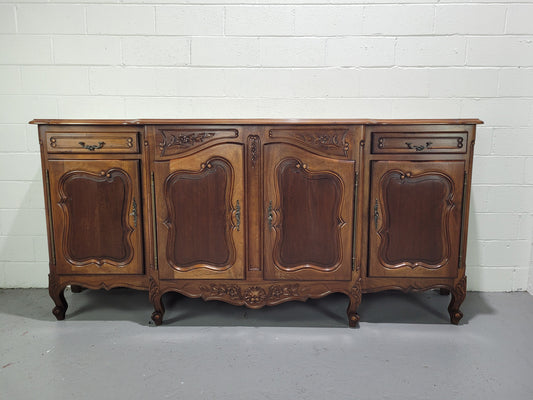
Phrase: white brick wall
pixel 270 58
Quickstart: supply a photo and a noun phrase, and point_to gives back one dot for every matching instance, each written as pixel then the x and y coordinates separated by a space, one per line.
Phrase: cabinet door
pixel 309 215
pixel 200 214
pixel 415 218
pixel 96 218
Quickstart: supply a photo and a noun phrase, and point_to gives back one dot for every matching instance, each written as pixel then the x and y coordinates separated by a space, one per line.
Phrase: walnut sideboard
pixel 257 212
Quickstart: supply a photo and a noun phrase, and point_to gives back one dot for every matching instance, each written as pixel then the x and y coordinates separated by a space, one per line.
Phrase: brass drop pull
pixel 376 214
pixel 419 147
pixel 238 215
pixel 270 215
pixel 92 147
pixel 133 213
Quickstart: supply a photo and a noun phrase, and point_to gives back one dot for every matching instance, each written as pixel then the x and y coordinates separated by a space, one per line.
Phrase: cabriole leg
pixel 57 293
pixel 458 296
pixel 355 300
pixel 156 298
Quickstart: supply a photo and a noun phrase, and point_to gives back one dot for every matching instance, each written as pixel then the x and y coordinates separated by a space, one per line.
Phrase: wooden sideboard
pixel 257 212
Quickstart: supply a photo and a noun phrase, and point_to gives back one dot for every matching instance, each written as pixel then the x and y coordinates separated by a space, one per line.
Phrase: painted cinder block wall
pixel 261 58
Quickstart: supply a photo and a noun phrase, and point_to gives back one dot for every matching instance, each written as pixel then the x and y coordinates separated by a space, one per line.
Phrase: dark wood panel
pixel 96 206
pixel 310 204
pixel 198 204
pixel 97 212
pixel 416 207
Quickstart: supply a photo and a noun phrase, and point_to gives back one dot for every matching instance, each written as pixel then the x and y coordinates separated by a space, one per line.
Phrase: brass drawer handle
pixel 419 147
pixel 92 147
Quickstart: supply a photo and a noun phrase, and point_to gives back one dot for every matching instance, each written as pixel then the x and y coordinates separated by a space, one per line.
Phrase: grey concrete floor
pixel 404 348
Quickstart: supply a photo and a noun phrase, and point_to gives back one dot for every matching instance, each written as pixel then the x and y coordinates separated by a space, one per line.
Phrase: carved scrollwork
pixel 253 141
pixel 329 140
pixel 252 295
pixel 183 139
pixel 326 141
pixel 154 292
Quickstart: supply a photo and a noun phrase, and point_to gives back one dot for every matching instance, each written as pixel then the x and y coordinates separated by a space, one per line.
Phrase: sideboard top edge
pixel 129 122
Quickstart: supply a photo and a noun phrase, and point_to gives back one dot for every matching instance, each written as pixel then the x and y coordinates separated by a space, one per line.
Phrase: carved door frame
pixel 341 173
pixel 192 167
pixel 450 175
pixel 63 171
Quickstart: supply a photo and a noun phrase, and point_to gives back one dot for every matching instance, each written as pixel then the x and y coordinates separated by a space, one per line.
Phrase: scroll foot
pixel 156 298
pixel 458 296
pixel 355 300
pixel 157 317
pixel 57 293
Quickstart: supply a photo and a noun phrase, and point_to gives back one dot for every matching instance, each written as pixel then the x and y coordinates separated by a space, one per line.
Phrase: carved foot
pixel 157 317
pixel 458 296
pixel 59 313
pixel 353 319
pixel 444 291
pixel 57 294
pixel 156 298
pixel 355 300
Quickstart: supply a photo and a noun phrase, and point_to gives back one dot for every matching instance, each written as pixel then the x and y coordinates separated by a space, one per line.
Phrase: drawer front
pixel 92 142
pixel 419 143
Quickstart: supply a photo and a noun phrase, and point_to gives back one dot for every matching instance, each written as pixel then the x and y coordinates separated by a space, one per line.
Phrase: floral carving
pixel 332 140
pixel 326 141
pixel 252 295
pixel 255 295
pixel 254 148
pixel 184 139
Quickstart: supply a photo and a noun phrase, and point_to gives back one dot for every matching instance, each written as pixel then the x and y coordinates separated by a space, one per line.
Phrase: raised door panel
pixel 96 208
pixel 200 214
pixel 415 227
pixel 309 215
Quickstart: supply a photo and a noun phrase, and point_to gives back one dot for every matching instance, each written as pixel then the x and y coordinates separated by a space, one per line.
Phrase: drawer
pixel 92 142
pixel 419 143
